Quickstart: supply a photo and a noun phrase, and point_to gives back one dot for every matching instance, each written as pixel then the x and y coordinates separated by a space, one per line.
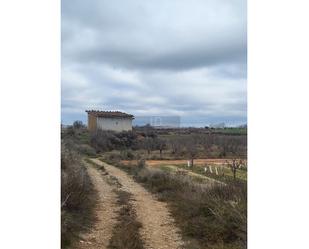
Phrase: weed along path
pixel 158 229
pixel 106 212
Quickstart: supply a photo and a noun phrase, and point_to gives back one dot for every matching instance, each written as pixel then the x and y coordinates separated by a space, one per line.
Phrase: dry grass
pixel 212 217
pixel 78 197
pixel 126 232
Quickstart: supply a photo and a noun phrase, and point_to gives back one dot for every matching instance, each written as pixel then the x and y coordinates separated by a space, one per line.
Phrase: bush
pixel 114 157
pixel 86 149
pixel 78 196
pixel 141 164
pixel 127 155
pixel 70 131
pixel 109 140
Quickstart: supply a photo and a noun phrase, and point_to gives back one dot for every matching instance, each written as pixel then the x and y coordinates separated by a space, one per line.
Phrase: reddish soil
pixel 182 161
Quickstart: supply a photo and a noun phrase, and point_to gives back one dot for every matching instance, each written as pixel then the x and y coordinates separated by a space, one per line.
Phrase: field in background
pixel 219 167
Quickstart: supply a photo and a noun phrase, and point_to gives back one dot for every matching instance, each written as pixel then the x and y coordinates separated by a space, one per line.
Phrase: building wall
pixel 92 123
pixel 114 124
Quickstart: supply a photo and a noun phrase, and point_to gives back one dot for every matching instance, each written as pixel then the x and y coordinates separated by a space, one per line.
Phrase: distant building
pixel 158 122
pixel 217 126
pixel 109 120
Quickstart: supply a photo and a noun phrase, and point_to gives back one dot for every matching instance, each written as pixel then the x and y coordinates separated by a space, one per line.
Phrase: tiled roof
pixel 109 114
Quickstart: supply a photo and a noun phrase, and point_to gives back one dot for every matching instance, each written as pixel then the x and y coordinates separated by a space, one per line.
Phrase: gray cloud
pixel 154 57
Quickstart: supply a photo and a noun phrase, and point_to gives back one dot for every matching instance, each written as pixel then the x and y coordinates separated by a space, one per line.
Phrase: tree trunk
pixel 234 173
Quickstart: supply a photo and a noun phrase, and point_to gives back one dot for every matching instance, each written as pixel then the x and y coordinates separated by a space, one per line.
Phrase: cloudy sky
pixel 175 57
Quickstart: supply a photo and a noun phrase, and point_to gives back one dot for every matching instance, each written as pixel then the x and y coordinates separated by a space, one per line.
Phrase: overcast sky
pixel 175 57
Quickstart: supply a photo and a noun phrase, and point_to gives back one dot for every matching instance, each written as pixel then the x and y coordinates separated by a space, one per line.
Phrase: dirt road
pixel 106 212
pixel 158 227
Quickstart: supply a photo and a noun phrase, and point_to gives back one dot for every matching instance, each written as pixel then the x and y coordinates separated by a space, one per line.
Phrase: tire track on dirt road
pixel 158 227
pixel 106 213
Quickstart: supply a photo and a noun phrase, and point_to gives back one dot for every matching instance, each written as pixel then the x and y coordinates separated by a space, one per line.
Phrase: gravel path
pixel 159 230
pixel 106 212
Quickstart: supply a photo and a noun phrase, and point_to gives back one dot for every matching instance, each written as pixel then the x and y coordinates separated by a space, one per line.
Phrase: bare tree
pixel 234 165
pixel 175 145
pixel 78 124
pixel 192 149
pixel 148 144
pixel 160 145
pixel 207 141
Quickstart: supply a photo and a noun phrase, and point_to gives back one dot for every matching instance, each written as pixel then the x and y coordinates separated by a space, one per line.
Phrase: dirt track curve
pixel 158 227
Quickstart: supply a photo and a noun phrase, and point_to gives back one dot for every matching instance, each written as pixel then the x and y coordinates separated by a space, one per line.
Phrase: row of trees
pixel 178 146
pixel 235 145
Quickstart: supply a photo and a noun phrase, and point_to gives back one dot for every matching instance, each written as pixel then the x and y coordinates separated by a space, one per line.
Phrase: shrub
pixel 86 149
pixel 141 164
pixel 109 140
pixel 70 131
pixel 78 196
pixel 127 155
pixel 114 157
